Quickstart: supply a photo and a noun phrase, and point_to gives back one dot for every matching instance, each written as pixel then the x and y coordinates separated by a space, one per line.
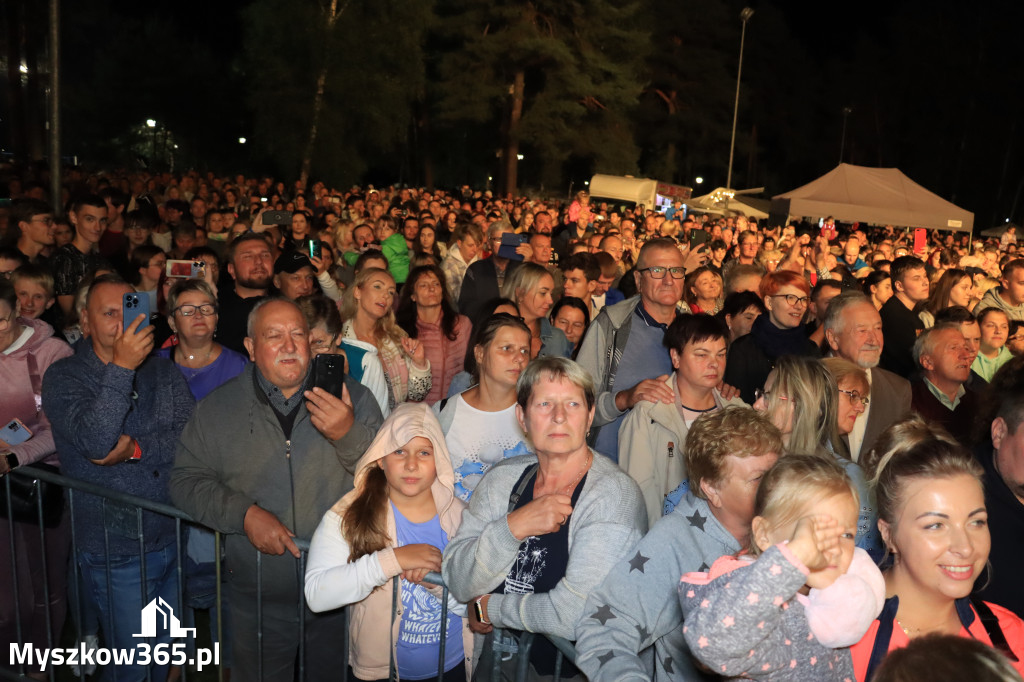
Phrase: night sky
pixel 934 88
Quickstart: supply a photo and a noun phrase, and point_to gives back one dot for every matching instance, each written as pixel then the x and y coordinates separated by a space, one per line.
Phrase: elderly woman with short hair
pixel 543 530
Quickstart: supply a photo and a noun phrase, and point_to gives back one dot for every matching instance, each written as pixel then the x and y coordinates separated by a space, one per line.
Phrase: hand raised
pixel 132 347
pixel 331 416
pixel 815 540
pixel 545 514
pixel 416 351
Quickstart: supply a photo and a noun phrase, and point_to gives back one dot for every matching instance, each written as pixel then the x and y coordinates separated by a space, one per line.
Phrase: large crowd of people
pixel 694 445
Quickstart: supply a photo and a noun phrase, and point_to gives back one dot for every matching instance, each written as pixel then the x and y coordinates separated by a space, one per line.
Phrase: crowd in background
pixel 608 386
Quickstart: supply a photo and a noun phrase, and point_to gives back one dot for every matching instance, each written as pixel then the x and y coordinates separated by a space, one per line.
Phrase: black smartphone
pixel 329 373
pixel 315 249
pixel 510 241
pixel 134 304
pixel 698 237
pixel 277 217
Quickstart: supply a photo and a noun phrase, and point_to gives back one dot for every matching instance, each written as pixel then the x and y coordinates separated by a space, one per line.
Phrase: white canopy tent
pixel 877 196
pixel 738 204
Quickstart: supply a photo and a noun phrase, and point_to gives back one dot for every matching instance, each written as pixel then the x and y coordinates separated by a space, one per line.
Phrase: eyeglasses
pixel 658 272
pixel 793 299
pixel 205 310
pixel 761 393
pixel 45 220
pixel 5 322
pixel 856 397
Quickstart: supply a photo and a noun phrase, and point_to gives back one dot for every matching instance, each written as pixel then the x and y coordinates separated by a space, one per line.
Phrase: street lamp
pixel 744 17
pixel 241 140
pixel 151 124
pixel 699 180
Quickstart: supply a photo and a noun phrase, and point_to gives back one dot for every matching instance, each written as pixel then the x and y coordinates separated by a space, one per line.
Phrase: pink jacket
pixel 332 581
pixel 21 378
pixel 446 356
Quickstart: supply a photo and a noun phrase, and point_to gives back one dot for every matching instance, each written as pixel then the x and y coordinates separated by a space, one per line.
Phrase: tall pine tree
pixel 551 79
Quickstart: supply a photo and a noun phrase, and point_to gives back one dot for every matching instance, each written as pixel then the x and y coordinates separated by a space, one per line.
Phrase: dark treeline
pixel 456 91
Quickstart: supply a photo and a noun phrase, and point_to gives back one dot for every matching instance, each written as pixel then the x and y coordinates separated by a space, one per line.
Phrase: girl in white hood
pixel 392 528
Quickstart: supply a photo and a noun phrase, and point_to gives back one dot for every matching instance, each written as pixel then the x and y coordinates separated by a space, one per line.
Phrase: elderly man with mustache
pixel 262 459
pixel 853 330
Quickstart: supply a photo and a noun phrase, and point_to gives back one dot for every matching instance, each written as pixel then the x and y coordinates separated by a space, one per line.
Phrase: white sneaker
pixel 90 643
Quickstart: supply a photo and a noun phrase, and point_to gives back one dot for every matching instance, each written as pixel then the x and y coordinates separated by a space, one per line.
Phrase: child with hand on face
pixel 789 608
pixel 376 545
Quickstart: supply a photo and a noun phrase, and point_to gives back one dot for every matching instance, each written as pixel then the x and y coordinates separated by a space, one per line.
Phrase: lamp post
pixel 744 17
pixel 151 124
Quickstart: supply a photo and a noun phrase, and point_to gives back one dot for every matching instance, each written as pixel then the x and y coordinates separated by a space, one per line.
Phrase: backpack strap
pixel 880 647
pixel 995 632
pixel 525 481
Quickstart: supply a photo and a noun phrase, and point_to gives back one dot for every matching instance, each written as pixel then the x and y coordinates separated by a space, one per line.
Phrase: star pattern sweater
pixel 748 622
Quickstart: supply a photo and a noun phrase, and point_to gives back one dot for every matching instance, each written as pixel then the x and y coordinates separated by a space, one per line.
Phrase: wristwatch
pixel 479 608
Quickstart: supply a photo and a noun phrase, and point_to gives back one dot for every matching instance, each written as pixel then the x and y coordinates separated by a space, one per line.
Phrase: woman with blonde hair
pixel 802 398
pixel 368 309
pixel 530 286
pixel 932 517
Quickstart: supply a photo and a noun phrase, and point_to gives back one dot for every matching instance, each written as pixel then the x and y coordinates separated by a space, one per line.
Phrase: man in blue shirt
pixel 116 415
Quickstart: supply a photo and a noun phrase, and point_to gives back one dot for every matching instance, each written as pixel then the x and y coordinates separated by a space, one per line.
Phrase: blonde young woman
pixel 531 286
pixel 932 516
pixel 802 399
pixel 369 317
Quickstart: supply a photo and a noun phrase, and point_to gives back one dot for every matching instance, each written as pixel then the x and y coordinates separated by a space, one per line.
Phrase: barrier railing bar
pixel 219 599
pixel 46 571
pixel 564 647
pixel 142 576
pixel 110 593
pixel 14 564
pixel 73 568
pixel 301 579
pixel 259 615
pixel 181 587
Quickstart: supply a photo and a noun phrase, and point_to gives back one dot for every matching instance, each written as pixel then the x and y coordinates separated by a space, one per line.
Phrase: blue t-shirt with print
pixel 419 634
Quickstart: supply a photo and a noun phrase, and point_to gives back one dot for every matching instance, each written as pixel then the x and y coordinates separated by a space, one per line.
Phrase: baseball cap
pixel 291 262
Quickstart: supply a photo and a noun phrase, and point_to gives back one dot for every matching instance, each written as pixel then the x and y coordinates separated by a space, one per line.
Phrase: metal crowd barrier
pixel 74 488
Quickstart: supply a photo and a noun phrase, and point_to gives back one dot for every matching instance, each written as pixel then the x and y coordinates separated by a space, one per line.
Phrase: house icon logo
pixel 158 614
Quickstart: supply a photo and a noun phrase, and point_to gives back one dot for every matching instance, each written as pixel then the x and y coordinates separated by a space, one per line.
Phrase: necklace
pixel 569 488
pixel 192 358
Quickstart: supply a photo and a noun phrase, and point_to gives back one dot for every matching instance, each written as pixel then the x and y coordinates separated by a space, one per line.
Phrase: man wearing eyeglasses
pixel 35 228
pixel 623 348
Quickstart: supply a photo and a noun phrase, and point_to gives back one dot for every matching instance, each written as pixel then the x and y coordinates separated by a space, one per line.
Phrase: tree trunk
pixel 512 147
pixel 318 97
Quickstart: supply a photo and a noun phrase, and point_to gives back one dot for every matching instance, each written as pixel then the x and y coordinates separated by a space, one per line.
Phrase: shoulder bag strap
pixel 518 492
pixel 995 633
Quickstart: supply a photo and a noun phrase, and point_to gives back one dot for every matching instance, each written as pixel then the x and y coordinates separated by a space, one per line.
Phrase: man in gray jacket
pixel 623 348
pixel 262 459
pixel 635 613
